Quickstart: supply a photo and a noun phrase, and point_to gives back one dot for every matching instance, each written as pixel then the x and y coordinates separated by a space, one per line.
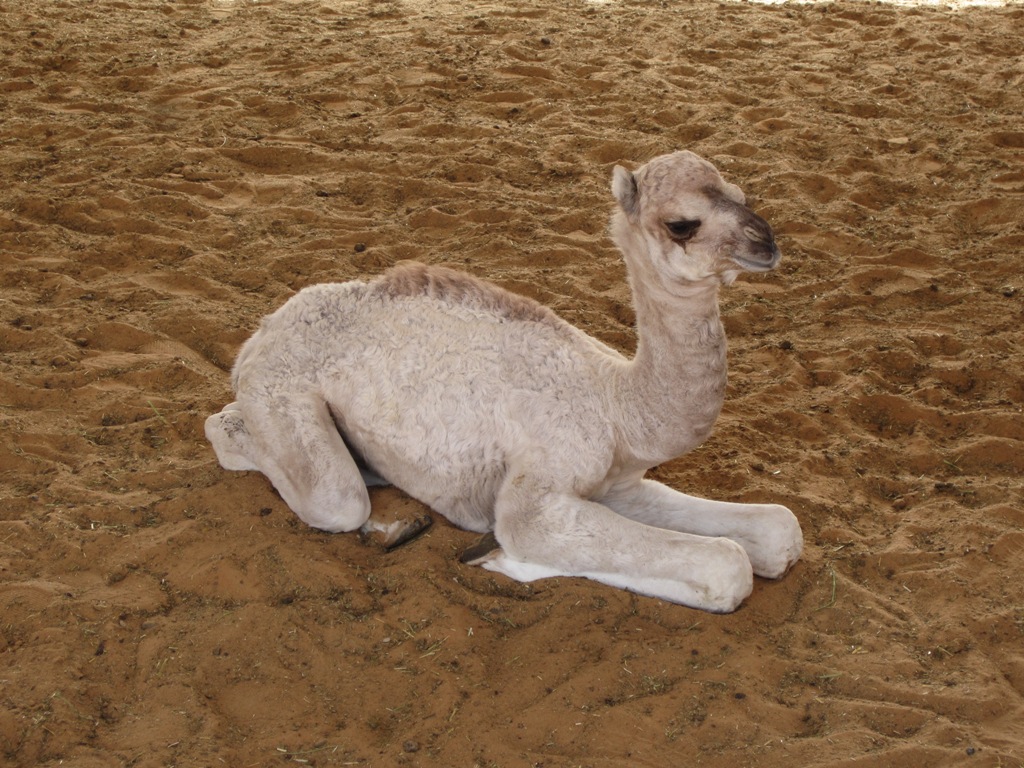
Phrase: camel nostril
pixel 757 237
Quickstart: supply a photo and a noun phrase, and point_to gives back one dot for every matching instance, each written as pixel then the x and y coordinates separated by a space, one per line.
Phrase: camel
pixel 490 409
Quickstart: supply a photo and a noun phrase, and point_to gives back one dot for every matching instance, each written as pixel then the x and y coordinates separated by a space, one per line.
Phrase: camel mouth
pixel 764 263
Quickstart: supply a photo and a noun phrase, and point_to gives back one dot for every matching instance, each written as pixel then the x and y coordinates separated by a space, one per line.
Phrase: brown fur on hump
pixel 460 288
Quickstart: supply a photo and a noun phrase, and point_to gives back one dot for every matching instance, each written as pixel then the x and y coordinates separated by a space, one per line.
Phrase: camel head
pixel 692 224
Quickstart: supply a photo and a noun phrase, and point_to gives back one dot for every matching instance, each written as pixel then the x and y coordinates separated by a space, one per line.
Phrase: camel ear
pixel 734 193
pixel 626 192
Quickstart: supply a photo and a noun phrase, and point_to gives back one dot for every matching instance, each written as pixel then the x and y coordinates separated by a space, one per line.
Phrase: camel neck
pixel 672 391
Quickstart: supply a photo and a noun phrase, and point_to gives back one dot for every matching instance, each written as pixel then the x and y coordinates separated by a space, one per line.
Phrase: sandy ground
pixel 172 171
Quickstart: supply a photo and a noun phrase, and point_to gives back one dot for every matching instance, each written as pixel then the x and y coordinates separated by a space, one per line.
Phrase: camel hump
pixel 455 288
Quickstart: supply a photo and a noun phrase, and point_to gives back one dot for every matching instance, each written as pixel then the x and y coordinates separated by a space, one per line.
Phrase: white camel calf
pixel 489 408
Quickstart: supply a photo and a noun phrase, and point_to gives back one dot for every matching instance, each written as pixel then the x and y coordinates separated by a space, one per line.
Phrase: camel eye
pixel 683 230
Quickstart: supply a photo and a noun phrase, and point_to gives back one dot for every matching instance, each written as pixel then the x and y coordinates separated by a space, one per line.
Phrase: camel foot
pixel 395 519
pixel 477 553
pixel 393 534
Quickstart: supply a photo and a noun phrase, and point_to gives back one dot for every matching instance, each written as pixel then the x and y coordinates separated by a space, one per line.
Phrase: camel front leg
pixel 769 533
pixel 545 533
pixel 230 438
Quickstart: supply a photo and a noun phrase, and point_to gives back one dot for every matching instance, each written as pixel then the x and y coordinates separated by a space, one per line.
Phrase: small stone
pixel 410 746
pixel 360 247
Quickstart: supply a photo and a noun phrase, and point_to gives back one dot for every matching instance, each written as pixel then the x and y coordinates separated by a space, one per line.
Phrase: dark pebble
pixel 360 247
pixel 411 746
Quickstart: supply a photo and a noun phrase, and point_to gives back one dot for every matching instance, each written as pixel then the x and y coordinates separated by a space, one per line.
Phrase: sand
pixel 172 171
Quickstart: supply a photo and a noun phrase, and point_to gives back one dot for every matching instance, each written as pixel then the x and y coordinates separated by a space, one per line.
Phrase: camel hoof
pixel 479 552
pixel 389 536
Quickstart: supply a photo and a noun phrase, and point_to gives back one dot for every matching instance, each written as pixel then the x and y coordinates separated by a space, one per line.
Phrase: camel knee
pixel 334 509
pixel 227 433
pixel 729 578
pixel 781 544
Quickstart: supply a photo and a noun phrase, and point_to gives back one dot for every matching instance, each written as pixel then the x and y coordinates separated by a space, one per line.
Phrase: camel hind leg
pixel 293 440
